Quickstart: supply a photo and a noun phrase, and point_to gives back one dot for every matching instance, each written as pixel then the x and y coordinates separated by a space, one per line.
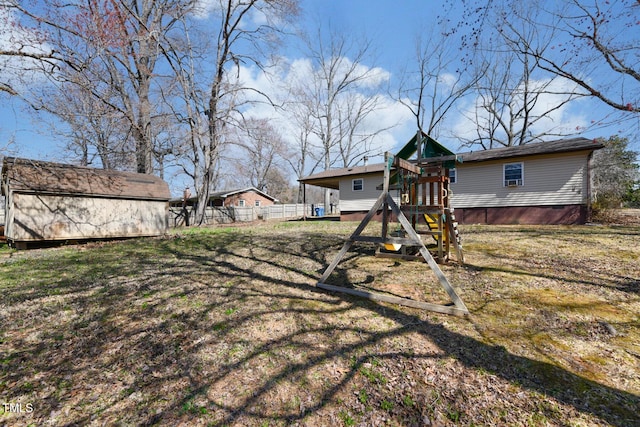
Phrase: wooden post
pixel 304 202
pixel 431 194
pixel 349 242
pixel 386 201
pixel 419 145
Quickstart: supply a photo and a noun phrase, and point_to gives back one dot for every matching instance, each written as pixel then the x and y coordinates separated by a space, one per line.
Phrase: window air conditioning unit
pixel 513 182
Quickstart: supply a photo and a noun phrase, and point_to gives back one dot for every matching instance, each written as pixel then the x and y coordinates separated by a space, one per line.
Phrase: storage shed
pixel 47 201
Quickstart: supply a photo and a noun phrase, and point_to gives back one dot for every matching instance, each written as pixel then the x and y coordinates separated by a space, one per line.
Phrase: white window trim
pixel 241 203
pixel 455 176
pixel 353 184
pixel 257 203
pixel 518 182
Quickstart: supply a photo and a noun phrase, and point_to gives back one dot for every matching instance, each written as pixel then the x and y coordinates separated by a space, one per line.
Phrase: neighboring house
pixel 244 197
pixel 541 183
pixel 47 201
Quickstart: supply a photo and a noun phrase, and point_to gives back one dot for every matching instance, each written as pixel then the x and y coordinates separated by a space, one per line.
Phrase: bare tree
pixel 95 134
pixel 262 153
pixel 24 50
pixel 240 39
pixel 597 39
pixel 303 151
pixel 433 82
pixel 517 100
pixel 111 48
pixel 594 45
pixel 338 97
pixel 514 108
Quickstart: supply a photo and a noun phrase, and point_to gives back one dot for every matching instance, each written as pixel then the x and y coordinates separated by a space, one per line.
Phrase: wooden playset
pixel 423 213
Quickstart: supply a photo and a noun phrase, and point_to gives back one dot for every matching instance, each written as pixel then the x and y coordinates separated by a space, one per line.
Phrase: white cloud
pixel 448 79
pixel 391 120
pixel 550 115
pixel 203 8
pixel 15 70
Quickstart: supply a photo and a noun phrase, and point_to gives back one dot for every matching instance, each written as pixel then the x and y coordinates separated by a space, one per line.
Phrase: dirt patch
pixel 225 327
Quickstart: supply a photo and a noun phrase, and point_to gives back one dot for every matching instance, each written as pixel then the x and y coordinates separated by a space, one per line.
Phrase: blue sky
pixel 391 25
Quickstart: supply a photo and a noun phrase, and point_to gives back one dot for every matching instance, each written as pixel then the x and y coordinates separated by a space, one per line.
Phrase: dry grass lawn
pixel 224 326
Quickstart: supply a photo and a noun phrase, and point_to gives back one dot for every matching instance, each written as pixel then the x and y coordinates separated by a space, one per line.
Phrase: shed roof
pixel 35 176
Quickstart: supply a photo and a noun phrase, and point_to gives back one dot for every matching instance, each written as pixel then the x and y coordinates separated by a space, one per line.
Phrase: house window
pixel 357 184
pixel 241 203
pixel 452 176
pixel 257 203
pixel 513 174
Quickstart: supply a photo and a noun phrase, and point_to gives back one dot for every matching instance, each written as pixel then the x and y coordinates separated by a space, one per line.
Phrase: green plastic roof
pixel 432 148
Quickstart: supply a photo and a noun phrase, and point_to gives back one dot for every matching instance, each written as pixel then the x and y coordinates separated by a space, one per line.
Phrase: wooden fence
pixel 227 215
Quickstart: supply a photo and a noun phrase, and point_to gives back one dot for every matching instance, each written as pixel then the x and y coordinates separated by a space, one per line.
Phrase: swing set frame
pixel 389 208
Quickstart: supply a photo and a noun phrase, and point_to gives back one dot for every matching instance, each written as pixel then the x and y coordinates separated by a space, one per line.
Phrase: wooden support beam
pixel 356 233
pixel 454 240
pixel 385 200
pixel 411 233
pixel 388 239
pixel 446 309
pixel 406 165
pixel 336 260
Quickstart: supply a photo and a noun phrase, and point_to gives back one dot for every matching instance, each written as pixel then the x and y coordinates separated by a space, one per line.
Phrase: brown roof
pixel 548 147
pixel 331 178
pixel 34 176
pixel 227 193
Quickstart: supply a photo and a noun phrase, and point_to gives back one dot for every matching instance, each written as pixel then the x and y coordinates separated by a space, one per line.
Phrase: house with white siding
pixel 541 183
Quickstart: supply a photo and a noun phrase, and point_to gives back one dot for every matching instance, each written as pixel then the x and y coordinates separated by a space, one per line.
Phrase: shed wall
pixel 50 217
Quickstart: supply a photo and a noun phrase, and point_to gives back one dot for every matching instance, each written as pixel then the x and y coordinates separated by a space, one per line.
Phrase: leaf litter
pixel 225 327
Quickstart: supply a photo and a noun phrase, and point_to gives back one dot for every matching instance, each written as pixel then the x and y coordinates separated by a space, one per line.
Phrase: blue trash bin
pixel 320 211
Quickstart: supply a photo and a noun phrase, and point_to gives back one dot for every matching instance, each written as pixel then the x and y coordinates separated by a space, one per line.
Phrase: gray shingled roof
pixel 34 176
pixel 548 147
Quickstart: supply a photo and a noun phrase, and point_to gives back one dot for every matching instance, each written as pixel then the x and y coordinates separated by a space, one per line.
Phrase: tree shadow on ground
pixel 169 336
